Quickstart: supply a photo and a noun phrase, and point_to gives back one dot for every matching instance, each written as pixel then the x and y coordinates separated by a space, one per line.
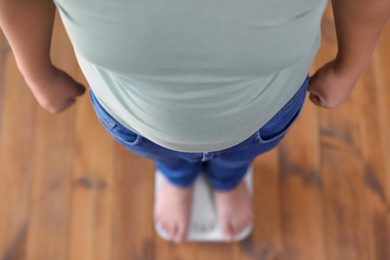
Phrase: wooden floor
pixel 68 191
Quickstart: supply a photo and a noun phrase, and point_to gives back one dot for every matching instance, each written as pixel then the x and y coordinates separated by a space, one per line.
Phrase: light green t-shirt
pixel 194 76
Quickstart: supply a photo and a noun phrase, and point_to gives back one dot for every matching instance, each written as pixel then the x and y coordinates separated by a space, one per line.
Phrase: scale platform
pixel 204 222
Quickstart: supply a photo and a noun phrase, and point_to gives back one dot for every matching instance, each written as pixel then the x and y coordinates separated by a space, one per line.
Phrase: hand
pixel 56 91
pixel 329 87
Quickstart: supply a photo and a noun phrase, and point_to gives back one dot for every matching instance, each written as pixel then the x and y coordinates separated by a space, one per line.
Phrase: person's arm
pixel 28 25
pixel 358 27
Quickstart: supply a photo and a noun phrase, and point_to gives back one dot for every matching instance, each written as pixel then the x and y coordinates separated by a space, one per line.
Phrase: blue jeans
pixel 224 169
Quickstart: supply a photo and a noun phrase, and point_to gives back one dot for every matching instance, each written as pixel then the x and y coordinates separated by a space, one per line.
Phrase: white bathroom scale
pixel 204 222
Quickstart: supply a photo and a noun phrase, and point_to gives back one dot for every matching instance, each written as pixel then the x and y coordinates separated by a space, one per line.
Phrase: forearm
pixel 358 27
pixel 28 25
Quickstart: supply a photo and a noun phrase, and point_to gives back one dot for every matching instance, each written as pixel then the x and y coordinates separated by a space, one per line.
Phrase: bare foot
pixel 172 210
pixel 235 210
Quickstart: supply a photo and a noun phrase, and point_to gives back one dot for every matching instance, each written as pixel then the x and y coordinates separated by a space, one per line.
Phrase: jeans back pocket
pixel 120 133
pixel 275 129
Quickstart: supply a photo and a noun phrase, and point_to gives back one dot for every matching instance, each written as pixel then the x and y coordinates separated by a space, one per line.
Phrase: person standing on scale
pixel 195 86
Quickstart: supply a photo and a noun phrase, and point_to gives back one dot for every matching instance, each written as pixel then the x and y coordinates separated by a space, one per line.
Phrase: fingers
pixel 314 97
pixel 320 99
pixel 72 89
pixel 57 105
pixel 329 88
pixel 80 89
pixel 318 94
pixel 66 84
pixel 320 87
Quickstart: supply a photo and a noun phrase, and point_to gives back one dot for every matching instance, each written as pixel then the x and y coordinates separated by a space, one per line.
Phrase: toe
pixel 248 219
pixel 183 233
pixel 175 234
pixel 242 226
pixel 167 228
pixel 239 227
pixel 228 231
pixel 178 236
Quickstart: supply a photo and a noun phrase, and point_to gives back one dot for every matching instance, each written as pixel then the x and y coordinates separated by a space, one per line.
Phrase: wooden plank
pixel 133 230
pixel 49 201
pixel 52 165
pixel 344 201
pixel 374 98
pixel 266 240
pixel 384 48
pixel 196 251
pixel 371 106
pixel 345 220
pixel 92 186
pixel 5 50
pixel 199 251
pixel 384 68
pixel 300 187
pixel 16 135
